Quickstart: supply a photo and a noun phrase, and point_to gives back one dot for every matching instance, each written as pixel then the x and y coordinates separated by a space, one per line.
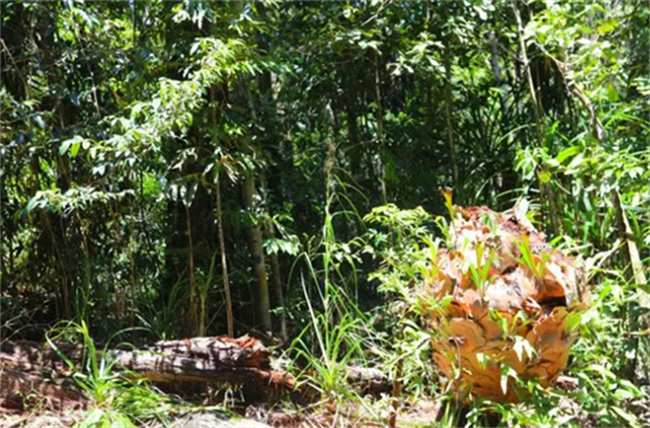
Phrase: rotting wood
pixel 201 359
pixel 243 361
pixel 19 390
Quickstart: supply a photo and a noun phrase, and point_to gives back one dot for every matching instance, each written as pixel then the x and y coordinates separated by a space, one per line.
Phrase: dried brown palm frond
pixel 501 301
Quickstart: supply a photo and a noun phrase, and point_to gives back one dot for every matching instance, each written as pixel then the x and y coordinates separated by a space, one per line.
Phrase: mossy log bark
pixel 500 299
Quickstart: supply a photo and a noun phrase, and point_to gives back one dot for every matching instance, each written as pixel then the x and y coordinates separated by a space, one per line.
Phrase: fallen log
pixel 242 361
pixel 19 390
pixel 28 367
pixel 203 359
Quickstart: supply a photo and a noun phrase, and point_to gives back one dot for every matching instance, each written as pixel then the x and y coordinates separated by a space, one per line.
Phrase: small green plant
pixel 334 336
pixel 162 320
pixel 203 283
pixel 118 398
pixel 536 264
pixel 338 346
pixel 481 270
pixel 449 204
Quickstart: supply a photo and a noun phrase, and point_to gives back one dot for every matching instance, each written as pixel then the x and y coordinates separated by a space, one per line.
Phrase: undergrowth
pixel 117 397
pixel 594 390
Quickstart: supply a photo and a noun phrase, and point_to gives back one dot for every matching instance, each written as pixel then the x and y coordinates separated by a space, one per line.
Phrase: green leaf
pixel 74 149
pixel 64 147
pixel 32 203
pixel 567 153
pixel 504 382
pixel 481 13
pixel 604 372
pixel 623 394
pixel 607 26
pixel 628 417
pixel 544 176
pixel 612 93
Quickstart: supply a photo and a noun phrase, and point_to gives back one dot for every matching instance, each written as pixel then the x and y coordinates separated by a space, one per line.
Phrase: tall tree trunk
pixel 277 294
pixel 250 198
pixel 255 245
pixel 496 70
pixel 272 138
pixel 356 153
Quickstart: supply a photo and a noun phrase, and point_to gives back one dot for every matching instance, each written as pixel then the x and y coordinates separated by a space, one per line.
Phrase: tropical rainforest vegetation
pixel 173 169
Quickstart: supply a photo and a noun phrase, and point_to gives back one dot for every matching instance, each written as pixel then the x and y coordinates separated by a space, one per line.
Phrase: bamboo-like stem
pixel 224 263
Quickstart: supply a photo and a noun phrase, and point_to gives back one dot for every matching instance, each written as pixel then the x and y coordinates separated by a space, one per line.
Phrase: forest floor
pixel 425 413
pixel 421 415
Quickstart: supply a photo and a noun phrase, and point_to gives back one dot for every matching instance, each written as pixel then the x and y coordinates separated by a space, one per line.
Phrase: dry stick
pixel 13 61
pixel 92 75
pixel 397 389
pixel 529 74
pixel 633 258
pixel 396 393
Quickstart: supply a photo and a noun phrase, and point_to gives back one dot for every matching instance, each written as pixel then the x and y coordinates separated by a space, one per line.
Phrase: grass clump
pixel 117 397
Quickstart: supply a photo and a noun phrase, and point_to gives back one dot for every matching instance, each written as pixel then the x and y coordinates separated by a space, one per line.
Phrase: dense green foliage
pixel 186 160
